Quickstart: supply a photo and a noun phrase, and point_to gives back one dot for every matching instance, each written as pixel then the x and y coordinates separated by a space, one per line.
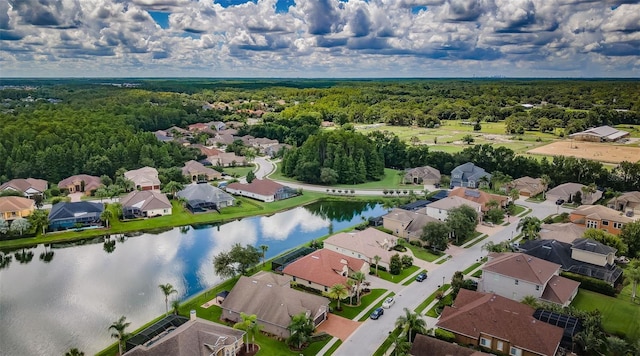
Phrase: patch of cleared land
pixel 604 152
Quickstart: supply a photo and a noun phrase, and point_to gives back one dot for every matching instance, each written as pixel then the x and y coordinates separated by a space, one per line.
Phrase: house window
pixel 326 289
pixel 485 342
pixel 499 345
pixel 309 282
pixel 537 287
pixel 294 279
pixel 605 222
pixel 514 351
pixel 617 225
pixel 517 282
pixel 591 224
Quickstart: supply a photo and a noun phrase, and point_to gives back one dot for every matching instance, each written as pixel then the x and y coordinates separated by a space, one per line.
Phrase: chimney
pixel 192 315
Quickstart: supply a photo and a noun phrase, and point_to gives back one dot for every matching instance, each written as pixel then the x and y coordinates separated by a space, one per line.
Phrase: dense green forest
pixel 55 128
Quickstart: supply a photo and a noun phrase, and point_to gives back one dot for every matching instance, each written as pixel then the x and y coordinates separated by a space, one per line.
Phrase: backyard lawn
pixel 350 312
pixel 419 252
pixel 619 317
pixel 397 278
pixel 239 171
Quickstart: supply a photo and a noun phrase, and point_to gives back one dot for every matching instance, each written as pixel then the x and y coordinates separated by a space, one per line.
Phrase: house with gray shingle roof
pixel 567 192
pixel 422 175
pixel 204 196
pixel 468 175
pixel 440 209
pixel 30 187
pixel 145 203
pixel 66 215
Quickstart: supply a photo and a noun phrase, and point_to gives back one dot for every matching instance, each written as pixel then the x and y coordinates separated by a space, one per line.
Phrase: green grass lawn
pixel 474 266
pixel 239 171
pixel 421 253
pixel 399 278
pixel 619 317
pixel 381 351
pixel 420 308
pixel 333 348
pixel 372 307
pixel 351 312
pixel 433 312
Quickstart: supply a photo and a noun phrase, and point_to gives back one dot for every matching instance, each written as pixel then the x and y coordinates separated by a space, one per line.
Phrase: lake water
pixel 69 298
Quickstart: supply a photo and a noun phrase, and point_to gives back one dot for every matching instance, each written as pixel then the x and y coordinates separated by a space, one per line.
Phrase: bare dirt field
pixel 604 152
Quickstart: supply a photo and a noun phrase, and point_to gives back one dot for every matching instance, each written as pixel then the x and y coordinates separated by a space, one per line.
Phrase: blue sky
pixel 320 38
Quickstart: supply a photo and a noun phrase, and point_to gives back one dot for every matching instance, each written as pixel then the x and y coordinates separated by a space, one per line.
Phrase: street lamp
pixel 443 283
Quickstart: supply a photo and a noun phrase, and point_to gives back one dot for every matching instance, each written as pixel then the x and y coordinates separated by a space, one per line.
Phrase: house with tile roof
pixel 628 203
pixel 186 337
pixel 264 190
pixel 527 186
pixel 270 297
pixel 30 187
pixel 227 159
pixel 198 172
pixel 561 253
pixel 430 346
pixel 65 215
pixel 406 224
pixel 499 325
pixel 567 192
pixel 203 196
pixel 364 245
pixel 480 197
pixel 145 203
pixel 12 207
pixel 322 269
pixel 422 175
pixel 517 275
pixel 440 209
pixel 563 232
pixel 80 183
pixel 599 217
pixel 468 175
pixel 145 178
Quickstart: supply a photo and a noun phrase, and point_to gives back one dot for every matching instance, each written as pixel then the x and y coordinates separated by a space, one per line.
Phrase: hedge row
pixel 592 284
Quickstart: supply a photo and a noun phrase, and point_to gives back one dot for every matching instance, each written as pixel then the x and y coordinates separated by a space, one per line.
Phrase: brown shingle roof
pixel 474 313
pixel 527 184
pixel 90 182
pixel 194 167
pixel 146 200
pixel 23 185
pixel 453 202
pixel 14 204
pixel 271 299
pixel 559 290
pixel 599 212
pixel 521 266
pixel 323 267
pixel 369 243
pixel 258 186
pixel 563 232
pixel 429 346
pixel 478 196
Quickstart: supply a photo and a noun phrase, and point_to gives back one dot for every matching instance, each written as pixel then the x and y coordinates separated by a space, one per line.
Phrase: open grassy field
pixel 605 152
pixel 619 317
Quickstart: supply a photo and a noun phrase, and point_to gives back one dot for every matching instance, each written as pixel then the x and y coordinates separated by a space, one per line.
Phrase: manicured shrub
pixel 445 335
pixel 592 284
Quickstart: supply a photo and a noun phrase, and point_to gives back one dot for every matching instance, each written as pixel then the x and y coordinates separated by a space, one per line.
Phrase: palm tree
pixel 102 193
pixel 173 187
pixel 118 328
pixel 400 345
pixel 300 328
pixel 530 301
pixel 410 322
pixel 338 292
pixel 492 204
pixel 377 259
pixel 105 216
pixel 359 277
pixel 633 273
pixel 617 346
pixel 74 352
pixel 514 194
pixel 247 325
pixel 167 290
pixel 530 226
pixel 39 219
pixel 545 180
pixel 253 329
pixel 264 249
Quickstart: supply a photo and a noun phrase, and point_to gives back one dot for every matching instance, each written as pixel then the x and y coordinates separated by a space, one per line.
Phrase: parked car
pixel 421 277
pixel 388 302
pixel 559 201
pixel 376 313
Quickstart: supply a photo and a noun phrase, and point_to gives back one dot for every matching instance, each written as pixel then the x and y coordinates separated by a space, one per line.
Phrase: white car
pixel 388 302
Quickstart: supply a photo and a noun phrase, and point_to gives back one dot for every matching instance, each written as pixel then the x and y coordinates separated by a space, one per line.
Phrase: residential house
pixel 430 346
pixel 469 175
pixel 517 275
pixel 66 215
pixel 175 131
pixel 262 143
pixel 80 183
pixel 600 134
pixel 567 192
pixel 364 245
pixel 561 253
pixel 12 207
pixel 628 203
pixel 197 172
pixel 217 125
pixel 406 224
pixel 499 325
pixel 162 136
pixel 527 186
pixel 30 187
pixel 594 252
pixel 207 151
pixel 563 232
pixel 324 268
pixel 227 159
pixel 145 178
pixel 202 196
pixel 178 336
pixel 440 209
pixel 273 151
pixel 198 127
pixel 599 217
pixel 480 197
pixel 145 203
pixel 264 190
pixel 422 175
pixel 220 140
pixel 270 297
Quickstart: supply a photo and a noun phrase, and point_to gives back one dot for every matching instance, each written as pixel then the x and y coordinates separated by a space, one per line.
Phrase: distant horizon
pixel 349 39
pixel 317 78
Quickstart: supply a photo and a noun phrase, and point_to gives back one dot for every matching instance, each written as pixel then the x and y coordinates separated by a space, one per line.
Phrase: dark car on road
pixel 559 201
pixel 376 313
pixel 421 277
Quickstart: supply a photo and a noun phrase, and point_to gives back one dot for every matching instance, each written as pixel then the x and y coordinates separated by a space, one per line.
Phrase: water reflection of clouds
pixel 280 226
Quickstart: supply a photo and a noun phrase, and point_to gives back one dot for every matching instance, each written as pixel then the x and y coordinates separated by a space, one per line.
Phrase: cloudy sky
pixel 320 38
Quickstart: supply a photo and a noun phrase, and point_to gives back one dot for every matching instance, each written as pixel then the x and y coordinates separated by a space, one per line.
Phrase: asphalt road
pixel 370 335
